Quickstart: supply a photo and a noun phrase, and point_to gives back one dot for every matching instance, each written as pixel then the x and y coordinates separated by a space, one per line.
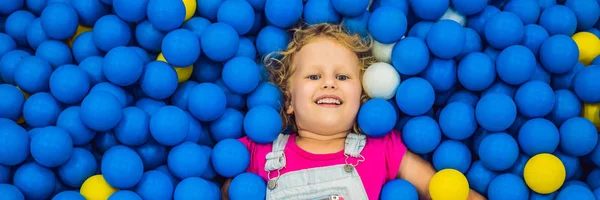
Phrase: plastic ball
pixel 166 15
pixel 35 35
pixel 537 136
pixel 588 46
pixel 41 109
pixel 132 130
pixel 515 64
pixel 452 154
pixel 473 43
pixel 587 12
pixel 238 14
pixel 193 188
pixel 122 66
pixel 10 192
pixel 187 160
pixel 535 99
pixel 528 10
pixel 69 84
pixel 452 14
pixel 283 13
pixel 181 48
pixel 150 106
pixel 383 52
pixel 155 185
pixel 159 80
pixel 181 95
pixel 415 96
pixel 558 54
pixel 153 154
pixel 567 106
pixel 266 93
pixel 535 36
pixel 118 92
pixel 130 11
pixel 11 105
pixel 446 39
pixel 398 189
pixel 78 168
pixel 498 159
pixel 104 141
pixel 207 102
pixel 68 195
pixel 457 120
pixel 89 11
pixel 32 74
pixel 387 24
pixel 495 112
pixel 247 186
pixel 122 167
pixel 381 80
pixel 169 126
pixel 448 184
pixel 575 191
pixel 508 186
pixel 208 9
pixel 219 42
pixel 229 125
pixel 429 9
pixel 34 181
pixel 101 111
pixel 478 21
pixel 110 32
pixel 469 7
pixel 124 195
pixel 84 47
pixel 357 25
pixel 592 113
pixel 316 12
pixel 246 49
pixel 418 128
pixel 376 117
pixel 565 81
pixel 271 39
pixel 480 177
pixel 51 146
pixel 465 96
pixel 183 73
pixel 585 86
pixel 476 71
pixel 15 26
pixel 262 124
pixel 230 157
pixel 410 56
pixel 578 136
pixel 241 75
pixel 59 21
pixel 96 188
pixel 558 19
pixel 17 150
pixel 504 29
pixel 571 163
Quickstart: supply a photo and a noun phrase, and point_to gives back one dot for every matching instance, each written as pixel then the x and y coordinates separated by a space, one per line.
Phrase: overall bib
pixel 335 182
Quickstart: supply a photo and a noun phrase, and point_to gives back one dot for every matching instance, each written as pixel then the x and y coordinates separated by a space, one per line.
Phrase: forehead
pixel 325 52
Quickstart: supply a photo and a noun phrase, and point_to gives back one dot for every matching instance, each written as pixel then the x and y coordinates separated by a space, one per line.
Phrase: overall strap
pixel 355 143
pixel 276 158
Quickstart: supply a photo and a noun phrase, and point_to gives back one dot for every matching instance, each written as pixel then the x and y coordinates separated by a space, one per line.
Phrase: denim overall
pixel 337 182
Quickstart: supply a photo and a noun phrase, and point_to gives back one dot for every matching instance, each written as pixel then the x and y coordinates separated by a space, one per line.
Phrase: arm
pixel 225 189
pixel 419 172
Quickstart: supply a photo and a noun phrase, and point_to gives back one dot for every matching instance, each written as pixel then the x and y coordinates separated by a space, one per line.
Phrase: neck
pixel 321 143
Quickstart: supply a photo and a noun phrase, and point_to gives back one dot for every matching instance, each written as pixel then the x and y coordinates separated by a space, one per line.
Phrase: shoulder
pixel 394 138
pixel 392 150
pixel 258 153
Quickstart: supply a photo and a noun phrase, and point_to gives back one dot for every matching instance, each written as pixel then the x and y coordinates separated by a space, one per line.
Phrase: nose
pixel 329 83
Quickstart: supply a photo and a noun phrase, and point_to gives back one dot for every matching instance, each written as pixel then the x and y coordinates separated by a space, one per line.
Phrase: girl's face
pixel 325 87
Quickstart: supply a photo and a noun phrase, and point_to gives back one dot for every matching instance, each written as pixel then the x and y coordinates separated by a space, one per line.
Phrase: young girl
pixel 327 156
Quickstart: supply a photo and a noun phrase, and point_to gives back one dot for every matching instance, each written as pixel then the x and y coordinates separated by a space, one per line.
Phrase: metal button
pixel 272 184
pixel 348 168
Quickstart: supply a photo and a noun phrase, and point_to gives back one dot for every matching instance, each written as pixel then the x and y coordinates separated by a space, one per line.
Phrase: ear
pixel 290 108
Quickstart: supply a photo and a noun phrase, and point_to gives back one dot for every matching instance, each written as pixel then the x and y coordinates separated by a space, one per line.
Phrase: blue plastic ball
pixel 429 9
pixel 479 20
pixel 169 126
pixel 415 96
pixel 130 11
pixel 515 65
pixel 457 120
pixel 440 73
pixel 241 75
pixel 446 39
pixel 238 14
pixel 247 186
pixel 535 36
pixel 495 112
pixel 357 25
pixel 398 189
pixel 578 136
pixel 498 159
pixel 78 168
pixel 181 48
pixel 104 141
pixel 5 174
pixel 229 125
pixel 10 192
pixel 492 52
pixel 535 99
pixel 209 8
pixel 32 74
pixel 469 7
pixel 565 81
pixel 207 102
pixel 69 84
pixel 153 154
pixel 262 124
pixel 206 70
pixel 84 47
pixel 150 106
pixel 122 167
pixel 159 80
pixel 101 111
pixel 540 74
pixel 519 167
pixel 51 146
pixel 476 71
pixel 504 29
pixel 41 109
pixel 11 104
pixel 571 163
pixel 124 195
pixel 34 181
pixel 558 19
pixel 421 134
pixel 575 191
pixel 230 157
pixel 271 39
pixel 196 25
pixel 528 10
pixel 246 49
pixel 8 44
pixel 148 37
pixel 59 21
pixel 377 117
pixel 587 12
pixel 547 3
pixel 35 36
pixel 17 150
pixel 508 186
pixel 181 96
pixel 116 91
pixel 473 43
pixel 316 12
pixel 187 160
pixel 110 32
pixel 284 13
pixel 155 185
pixel 586 86
pixel 266 93
pixel 480 177
pixel 537 136
pixel 387 24
pixel 465 96
pixel 566 106
pixel 7 7
pixel 220 42
pixel 166 15
pixel 410 56
pixel 194 188
pixel 452 154
pixel 558 54
pixel 89 11
pixel 351 8
pixel 132 130
pixel 122 66
pixel 16 25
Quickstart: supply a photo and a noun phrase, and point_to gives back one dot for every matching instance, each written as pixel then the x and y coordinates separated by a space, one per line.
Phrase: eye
pixel 314 77
pixel 342 77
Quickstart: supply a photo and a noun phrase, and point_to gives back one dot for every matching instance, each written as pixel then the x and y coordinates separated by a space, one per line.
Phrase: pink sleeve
pixel 395 151
pixel 252 150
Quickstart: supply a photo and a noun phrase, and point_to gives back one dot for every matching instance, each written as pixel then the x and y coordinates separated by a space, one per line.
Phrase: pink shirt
pixel 382 160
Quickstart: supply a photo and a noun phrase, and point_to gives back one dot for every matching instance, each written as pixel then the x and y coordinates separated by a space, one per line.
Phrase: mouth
pixel 329 101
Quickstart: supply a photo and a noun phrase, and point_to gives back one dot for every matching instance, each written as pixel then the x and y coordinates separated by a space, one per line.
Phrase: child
pixel 327 156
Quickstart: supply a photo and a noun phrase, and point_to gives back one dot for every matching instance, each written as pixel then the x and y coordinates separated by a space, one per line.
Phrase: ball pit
pixel 144 99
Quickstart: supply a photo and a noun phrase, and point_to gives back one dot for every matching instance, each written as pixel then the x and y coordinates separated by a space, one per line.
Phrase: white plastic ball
pixel 454 15
pixel 383 52
pixel 381 80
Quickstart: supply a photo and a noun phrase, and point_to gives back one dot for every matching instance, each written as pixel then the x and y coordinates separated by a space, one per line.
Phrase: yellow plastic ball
pixel 190 8
pixel 96 188
pixel 80 29
pixel 592 113
pixel 588 45
pixel 183 73
pixel 449 184
pixel 544 173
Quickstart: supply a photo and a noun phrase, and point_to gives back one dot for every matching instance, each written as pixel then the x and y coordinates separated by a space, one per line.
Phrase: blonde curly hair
pixel 279 64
